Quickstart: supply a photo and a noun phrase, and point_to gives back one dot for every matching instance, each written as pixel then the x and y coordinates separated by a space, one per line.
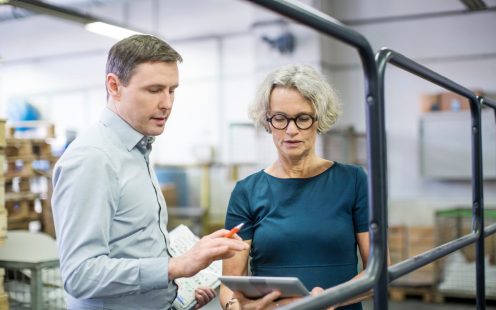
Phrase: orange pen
pixel 234 231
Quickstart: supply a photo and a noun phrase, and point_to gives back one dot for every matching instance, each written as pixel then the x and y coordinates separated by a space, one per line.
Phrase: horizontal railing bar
pixel 489 230
pixel 415 68
pixel 431 255
pixel 489 102
pixel 414 263
pixel 333 295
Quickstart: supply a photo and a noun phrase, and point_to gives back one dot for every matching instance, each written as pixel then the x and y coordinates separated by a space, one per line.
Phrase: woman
pixel 304 215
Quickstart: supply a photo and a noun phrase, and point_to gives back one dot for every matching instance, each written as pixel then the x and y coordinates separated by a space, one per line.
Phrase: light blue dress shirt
pixel 110 219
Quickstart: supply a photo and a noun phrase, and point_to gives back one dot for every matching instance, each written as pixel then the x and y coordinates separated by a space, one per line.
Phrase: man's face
pixel 146 102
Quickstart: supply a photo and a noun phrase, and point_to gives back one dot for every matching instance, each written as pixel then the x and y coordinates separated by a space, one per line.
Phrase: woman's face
pixel 292 143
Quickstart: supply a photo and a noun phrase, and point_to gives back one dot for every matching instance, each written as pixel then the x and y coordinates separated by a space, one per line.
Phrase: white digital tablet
pixel 256 287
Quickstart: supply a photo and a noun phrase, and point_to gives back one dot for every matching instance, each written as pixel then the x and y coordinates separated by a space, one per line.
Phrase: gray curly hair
pixel 309 83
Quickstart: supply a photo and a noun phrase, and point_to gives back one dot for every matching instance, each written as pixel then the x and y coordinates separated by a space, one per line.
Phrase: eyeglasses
pixel 281 121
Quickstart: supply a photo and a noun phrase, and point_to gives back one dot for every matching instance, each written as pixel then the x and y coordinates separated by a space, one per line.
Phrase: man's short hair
pixel 130 52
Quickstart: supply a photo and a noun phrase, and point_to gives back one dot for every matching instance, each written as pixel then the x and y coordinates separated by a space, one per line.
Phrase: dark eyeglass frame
pixel 294 119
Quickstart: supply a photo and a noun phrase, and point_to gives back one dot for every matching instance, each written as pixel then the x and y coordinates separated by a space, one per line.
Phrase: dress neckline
pixel 309 178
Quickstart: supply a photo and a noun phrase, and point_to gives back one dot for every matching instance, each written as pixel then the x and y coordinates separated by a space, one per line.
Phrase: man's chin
pixel 157 131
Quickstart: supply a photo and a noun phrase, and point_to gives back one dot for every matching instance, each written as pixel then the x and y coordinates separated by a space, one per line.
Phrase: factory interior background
pixel 52 74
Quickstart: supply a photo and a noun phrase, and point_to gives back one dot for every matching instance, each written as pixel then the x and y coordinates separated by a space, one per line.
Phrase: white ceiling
pixel 365 9
pixel 180 19
pixel 346 10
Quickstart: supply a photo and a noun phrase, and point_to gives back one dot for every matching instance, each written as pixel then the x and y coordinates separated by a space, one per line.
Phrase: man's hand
pixel 204 252
pixel 203 296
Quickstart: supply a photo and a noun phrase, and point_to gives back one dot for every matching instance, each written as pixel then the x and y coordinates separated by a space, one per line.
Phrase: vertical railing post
pixel 478 201
pixel 381 286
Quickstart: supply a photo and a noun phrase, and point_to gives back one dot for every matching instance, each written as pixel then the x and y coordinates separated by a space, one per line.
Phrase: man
pixel 110 216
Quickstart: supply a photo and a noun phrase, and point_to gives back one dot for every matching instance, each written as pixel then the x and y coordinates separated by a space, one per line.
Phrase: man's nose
pixel 166 101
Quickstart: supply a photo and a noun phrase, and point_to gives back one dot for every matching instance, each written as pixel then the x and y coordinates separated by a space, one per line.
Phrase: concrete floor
pixel 409 304
pixel 414 304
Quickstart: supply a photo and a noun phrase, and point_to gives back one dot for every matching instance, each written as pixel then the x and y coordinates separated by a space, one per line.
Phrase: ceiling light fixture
pixel 93 24
pixel 109 30
pixel 474 5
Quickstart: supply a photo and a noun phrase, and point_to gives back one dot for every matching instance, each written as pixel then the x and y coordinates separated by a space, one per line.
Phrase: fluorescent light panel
pixel 91 23
pixel 109 30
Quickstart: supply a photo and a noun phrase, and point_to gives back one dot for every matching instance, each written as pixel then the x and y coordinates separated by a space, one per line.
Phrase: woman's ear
pixel 113 85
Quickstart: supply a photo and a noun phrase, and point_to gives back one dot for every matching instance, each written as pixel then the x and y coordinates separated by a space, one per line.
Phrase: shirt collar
pixel 127 134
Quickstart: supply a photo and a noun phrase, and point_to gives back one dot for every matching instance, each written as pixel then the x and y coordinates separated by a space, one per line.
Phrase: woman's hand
pixel 203 296
pixel 266 302
pixel 269 301
pixel 318 290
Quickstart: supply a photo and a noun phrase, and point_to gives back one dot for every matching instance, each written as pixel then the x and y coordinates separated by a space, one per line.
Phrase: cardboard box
pixel 397 243
pixel 405 242
pixel 170 194
pixel 445 101
pixel 3 226
pixel 453 102
pixel 2 275
pixel 420 236
pixel 429 103
pixel 18 147
pixel 4 301
pixel 420 240
pixel 2 133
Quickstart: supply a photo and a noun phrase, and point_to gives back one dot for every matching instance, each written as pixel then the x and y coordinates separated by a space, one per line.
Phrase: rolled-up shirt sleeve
pixel 85 198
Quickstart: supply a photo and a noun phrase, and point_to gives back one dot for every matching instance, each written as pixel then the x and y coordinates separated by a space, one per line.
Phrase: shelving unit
pixel 454 274
pixel 449 132
pixel 32 276
pixel 27 180
pixel 4 299
pixel 345 145
pixel 3 211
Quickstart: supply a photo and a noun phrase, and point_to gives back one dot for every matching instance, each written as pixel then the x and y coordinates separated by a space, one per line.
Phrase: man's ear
pixel 113 85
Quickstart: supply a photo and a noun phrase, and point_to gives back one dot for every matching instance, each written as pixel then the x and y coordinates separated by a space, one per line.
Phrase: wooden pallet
pixel 4 301
pixel 440 297
pixel 416 284
pixel 21 209
pixel 401 293
pixel 3 226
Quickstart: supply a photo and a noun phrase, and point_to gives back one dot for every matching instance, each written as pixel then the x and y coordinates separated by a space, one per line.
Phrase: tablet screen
pixel 256 287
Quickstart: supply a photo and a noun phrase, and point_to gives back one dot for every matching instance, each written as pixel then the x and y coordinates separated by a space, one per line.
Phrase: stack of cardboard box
pixel 19 201
pixel 405 242
pixel 4 301
pixel 3 211
pixel 28 183
pixel 446 101
pixel 4 298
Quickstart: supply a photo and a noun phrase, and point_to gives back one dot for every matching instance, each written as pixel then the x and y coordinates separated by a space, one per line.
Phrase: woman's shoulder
pixel 248 184
pixel 348 169
pixel 251 179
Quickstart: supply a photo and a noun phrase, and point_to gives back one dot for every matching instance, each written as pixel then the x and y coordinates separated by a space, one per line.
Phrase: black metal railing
pixel 376 272
pixel 377 275
pixel 385 56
